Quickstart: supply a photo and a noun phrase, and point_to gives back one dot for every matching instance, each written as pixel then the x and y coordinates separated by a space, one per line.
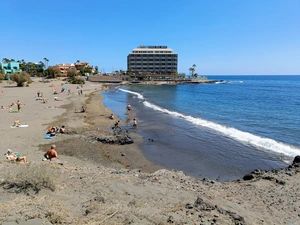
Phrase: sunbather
pixel 17 123
pixel 15 156
pixel 63 130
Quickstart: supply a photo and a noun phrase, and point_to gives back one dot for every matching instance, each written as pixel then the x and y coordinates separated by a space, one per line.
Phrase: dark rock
pixel 280 182
pixel 87 211
pixel 296 160
pixel 248 177
pixel 268 178
pixel 120 136
pixel 188 206
pixel 199 203
pixel 170 219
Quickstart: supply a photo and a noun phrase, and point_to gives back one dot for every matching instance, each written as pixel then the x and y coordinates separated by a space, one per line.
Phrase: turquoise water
pixel 217 130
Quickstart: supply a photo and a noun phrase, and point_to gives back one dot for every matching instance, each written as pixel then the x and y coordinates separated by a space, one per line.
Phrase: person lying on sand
pixel 57 99
pixel 15 157
pixel 63 130
pixel 17 123
pixel 52 131
pixel 3 107
pixel 50 154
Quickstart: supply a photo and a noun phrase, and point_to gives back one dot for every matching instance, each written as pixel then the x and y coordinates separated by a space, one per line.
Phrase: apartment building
pixel 10 67
pixel 152 59
pixel 64 67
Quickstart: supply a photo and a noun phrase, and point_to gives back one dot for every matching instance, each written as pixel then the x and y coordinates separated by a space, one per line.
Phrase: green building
pixel 10 67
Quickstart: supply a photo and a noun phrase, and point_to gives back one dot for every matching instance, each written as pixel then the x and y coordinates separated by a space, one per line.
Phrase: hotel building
pixel 152 59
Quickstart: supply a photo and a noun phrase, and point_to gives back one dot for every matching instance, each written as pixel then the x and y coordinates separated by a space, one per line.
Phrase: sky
pixel 222 37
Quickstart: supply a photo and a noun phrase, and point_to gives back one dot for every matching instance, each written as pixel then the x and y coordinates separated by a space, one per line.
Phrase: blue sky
pixel 236 37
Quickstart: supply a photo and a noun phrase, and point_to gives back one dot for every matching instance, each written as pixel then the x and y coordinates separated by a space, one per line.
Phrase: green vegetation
pixel 192 70
pixel 53 72
pixel 72 73
pixel 41 69
pixel 76 80
pixel 21 78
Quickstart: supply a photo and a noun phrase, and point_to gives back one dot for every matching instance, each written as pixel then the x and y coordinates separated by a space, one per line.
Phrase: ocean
pixel 219 131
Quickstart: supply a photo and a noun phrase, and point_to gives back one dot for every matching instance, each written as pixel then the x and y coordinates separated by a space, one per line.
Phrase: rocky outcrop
pixel 120 136
pixel 272 175
pixel 296 161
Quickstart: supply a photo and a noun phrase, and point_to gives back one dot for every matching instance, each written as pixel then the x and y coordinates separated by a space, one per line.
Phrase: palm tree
pixel 41 68
pixel 96 70
pixel 5 60
pixel 46 63
pixel 192 69
pixel 23 65
pixel 42 64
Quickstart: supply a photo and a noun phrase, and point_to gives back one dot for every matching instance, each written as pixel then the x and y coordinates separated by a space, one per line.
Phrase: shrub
pixel 32 177
pixel 21 78
pixel 76 80
pixel 2 77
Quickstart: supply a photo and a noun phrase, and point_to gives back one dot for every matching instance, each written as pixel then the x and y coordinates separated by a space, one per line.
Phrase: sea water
pixel 220 131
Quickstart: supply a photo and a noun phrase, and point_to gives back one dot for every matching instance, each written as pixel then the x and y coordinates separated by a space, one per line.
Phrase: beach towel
pixel 19 126
pixel 48 136
pixel 14 111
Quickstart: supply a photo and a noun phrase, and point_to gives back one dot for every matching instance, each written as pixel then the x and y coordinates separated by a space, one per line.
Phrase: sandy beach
pixel 97 183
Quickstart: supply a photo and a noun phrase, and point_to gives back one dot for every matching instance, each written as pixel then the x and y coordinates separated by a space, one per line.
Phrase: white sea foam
pixel 242 136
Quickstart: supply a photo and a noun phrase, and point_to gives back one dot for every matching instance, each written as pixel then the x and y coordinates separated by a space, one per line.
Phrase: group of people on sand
pixel 116 124
pixel 18 104
pixel 53 130
pixel 17 157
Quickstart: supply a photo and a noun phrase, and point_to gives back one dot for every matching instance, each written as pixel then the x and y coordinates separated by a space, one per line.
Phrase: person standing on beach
pixel 38 93
pixel 128 108
pixel 50 154
pixel 134 124
pixel 19 105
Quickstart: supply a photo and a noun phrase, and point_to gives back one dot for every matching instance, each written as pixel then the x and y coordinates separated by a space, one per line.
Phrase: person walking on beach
pixel 19 105
pixel 134 124
pixel 128 108
pixel 50 154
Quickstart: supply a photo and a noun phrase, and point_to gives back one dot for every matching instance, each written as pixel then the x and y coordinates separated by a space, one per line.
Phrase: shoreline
pixel 98 124
pixel 78 189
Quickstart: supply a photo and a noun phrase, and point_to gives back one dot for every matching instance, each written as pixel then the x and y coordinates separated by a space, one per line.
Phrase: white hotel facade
pixel 153 59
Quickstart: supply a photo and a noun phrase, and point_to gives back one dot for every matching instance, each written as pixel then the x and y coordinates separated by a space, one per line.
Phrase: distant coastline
pixel 123 81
